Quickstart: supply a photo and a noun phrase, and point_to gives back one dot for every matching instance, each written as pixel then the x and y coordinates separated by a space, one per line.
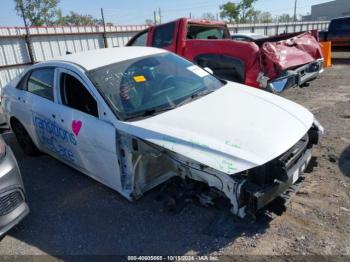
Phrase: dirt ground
pixel 317 220
pixel 72 214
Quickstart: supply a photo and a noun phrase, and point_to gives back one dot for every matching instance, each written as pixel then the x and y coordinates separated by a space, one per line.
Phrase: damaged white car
pixel 134 117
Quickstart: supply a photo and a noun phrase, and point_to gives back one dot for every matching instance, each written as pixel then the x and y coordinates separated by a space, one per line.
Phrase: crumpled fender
pixel 288 54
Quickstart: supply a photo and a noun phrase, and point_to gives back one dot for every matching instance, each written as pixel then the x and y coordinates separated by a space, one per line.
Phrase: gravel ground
pixel 72 214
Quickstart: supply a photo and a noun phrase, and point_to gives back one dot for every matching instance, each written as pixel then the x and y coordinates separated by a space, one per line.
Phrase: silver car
pixel 13 206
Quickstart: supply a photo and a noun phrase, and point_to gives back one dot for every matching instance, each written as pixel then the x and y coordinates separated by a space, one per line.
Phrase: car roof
pixel 93 59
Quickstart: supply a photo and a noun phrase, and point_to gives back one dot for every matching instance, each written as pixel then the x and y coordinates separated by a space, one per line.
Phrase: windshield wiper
pixel 152 112
pixel 194 96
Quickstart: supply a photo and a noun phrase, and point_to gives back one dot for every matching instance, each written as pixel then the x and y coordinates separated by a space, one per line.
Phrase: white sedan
pixel 134 117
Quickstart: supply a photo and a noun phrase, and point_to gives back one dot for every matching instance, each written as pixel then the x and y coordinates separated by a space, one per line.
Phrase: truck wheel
pixel 24 140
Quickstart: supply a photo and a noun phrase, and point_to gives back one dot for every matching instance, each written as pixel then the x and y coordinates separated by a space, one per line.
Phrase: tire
pixel 24 140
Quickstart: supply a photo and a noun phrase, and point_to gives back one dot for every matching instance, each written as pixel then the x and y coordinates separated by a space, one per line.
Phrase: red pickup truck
pixel 273 63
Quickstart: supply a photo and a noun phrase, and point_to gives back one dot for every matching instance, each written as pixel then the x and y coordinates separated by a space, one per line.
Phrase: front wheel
pixel 24 140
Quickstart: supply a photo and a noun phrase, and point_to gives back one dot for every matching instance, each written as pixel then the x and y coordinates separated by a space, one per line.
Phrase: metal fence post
pixel 27 36
pixel 104 30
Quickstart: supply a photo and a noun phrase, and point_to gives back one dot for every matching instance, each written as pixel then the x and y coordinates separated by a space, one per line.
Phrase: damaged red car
pixel 273 63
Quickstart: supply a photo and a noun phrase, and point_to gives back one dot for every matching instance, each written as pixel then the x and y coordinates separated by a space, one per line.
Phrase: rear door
pixel 38 101
pixel 88 142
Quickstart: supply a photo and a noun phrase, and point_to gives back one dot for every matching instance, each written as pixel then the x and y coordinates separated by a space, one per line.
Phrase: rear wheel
pixel 24 140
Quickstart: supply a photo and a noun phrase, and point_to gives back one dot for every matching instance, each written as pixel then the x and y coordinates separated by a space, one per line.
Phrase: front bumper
pixel 297 77
pixel 13 206
pixel 266 183
pixel 260 197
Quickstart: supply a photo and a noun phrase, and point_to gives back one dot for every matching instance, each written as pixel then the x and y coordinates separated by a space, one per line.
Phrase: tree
pixel 208 16
pixel 229 11
pixel 149 22
pixel 37 12
pixel 76 19
pixel 285 18
pixel 246 10
pixel 255 16
pixel 239 13
pixel 265 17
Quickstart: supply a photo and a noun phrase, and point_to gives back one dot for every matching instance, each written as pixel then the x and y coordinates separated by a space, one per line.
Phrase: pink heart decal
pixel 76 125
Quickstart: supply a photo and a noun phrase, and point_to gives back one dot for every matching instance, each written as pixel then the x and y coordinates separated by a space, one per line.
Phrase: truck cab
pixel 209 44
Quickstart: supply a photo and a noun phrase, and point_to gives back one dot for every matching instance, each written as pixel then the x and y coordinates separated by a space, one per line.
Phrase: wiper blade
pixel 150 112
pixel 194 96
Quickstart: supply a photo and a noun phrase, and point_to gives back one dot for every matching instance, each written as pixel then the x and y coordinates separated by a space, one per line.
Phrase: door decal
pixel 55 138
pixel 76 125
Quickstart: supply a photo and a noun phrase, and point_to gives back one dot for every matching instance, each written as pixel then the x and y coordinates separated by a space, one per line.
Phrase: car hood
pixel 232 129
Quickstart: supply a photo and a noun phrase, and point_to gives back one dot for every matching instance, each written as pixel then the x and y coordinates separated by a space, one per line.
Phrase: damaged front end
pixel 145 165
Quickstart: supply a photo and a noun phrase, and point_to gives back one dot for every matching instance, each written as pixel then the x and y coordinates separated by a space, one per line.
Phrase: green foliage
pixel 229 11
pixel 285 18
pixel 37 12
pixel 45 12
pixel 239 13
pixel 149 22
pixel 76 19
pixel 265 17
pixel 209 16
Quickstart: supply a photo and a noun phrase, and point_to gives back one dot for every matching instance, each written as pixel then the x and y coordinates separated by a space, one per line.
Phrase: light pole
pixel 295 10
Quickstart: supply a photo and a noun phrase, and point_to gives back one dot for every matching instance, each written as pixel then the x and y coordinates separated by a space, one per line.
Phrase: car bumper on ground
pixel 13 206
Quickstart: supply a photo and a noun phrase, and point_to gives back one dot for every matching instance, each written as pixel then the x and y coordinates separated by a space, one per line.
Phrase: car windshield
pixel 148 85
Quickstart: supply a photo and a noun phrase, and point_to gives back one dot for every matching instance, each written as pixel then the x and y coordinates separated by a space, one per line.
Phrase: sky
pixel 137 11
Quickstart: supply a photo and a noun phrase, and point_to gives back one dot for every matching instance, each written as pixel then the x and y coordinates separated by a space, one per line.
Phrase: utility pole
pixel 27 37
pixel 155 17
pixel 190 15
pixel 295 10
pixel 160 15
pixel 104 29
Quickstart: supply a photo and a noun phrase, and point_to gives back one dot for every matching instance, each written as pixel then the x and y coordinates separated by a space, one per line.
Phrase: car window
pixel 141 40
pixel 22 84
pixel 163 35
pixel 75 95
pixel 40 82
pixel 154 82
pixel 206 32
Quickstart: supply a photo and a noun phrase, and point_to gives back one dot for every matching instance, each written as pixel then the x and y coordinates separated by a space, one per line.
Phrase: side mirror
pixel 209 70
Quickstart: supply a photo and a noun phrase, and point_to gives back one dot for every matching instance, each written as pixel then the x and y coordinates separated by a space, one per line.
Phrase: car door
pixel 86 141
pixel 39 103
